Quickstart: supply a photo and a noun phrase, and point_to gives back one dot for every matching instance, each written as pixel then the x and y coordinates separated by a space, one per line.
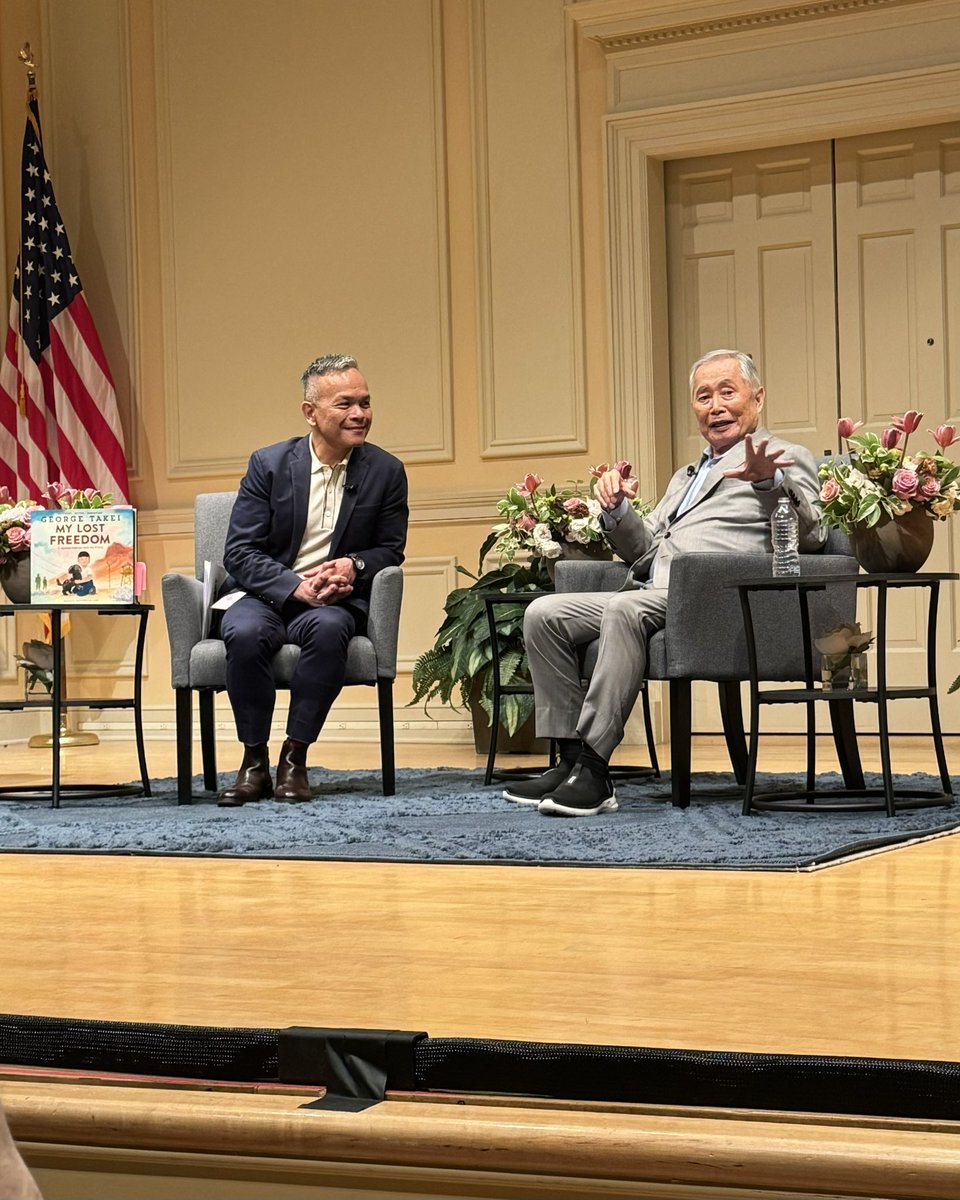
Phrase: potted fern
pixel 541 524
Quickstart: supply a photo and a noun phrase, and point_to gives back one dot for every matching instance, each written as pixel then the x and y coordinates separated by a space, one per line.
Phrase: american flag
pixel 58 408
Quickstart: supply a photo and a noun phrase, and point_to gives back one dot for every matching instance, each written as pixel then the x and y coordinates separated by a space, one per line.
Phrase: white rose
pixel 577 530
pixel 549 549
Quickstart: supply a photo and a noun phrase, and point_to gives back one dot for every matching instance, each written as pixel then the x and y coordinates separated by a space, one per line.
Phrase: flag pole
pixel 68 736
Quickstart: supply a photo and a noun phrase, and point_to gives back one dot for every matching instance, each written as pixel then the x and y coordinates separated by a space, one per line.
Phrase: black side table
pixel 847 799
pixel 59 704
pixel 495 600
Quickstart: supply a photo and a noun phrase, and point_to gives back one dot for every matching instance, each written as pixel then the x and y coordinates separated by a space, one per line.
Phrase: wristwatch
pixel 358 564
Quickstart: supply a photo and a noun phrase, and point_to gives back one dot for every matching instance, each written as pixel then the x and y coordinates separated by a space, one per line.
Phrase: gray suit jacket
pixel 728 515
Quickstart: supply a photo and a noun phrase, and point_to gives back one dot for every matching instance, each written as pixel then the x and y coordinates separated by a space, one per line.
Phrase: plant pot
pixel 575 552
pixel 15 579
pixel 524 741
pixel 895 544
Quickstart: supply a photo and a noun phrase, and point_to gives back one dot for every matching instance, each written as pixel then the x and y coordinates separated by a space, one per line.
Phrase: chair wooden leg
pixel 648 728
pixel 184 717
pixel 387 757
pixel 680 712
pixel 208 739
pixel 731 714
pixel 845 740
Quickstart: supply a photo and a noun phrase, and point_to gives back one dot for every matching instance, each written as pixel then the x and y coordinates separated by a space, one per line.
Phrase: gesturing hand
pixel 611 488
pixel 758 463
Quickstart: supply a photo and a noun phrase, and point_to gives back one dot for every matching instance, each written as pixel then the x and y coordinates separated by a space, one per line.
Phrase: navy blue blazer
pixel 270 516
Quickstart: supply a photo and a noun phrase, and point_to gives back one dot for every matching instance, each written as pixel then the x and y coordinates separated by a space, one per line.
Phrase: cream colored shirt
pixel 326 496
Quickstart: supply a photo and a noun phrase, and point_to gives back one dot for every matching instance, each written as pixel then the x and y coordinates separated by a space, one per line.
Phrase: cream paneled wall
pixel 247 186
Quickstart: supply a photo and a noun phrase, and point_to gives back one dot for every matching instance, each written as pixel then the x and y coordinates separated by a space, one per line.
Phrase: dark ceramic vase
pixel 15 579
pixel 895 545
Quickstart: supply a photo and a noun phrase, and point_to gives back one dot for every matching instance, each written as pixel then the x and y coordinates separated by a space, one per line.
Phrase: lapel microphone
pixel 350 487
pixel 691 470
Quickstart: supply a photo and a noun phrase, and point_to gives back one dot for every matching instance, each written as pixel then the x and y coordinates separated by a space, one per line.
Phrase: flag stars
pixel 46 175
pixel 58 253
pixel 30 194
pixel 54 299
pixel 33 169
pixel 44 223
pixel 55 276
pixel 30 218
pixel 74 281
pixel 29 244
pixel 59 228
pixel 28 292
pixel 29 266
pixel 46 202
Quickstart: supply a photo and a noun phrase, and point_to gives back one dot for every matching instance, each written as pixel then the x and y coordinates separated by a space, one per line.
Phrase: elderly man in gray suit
pixel 723 503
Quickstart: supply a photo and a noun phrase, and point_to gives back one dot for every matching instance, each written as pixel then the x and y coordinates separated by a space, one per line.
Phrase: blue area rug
pixel 447 815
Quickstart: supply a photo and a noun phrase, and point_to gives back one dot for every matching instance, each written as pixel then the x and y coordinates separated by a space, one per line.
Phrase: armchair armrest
pixel 183 610
pixel 383 619
pixel 704 634
pixel 585 575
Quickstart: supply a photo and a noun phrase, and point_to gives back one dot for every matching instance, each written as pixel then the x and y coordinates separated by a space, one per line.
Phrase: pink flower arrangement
pixel 15 517
pixel 540 520
pixel 881 478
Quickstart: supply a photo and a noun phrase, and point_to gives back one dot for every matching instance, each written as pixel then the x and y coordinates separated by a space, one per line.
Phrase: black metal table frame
pixel 492 600
pixel 59 704
pixel 847 799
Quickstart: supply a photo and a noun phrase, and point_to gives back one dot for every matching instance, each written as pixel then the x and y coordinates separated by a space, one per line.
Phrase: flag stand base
pixel 68 737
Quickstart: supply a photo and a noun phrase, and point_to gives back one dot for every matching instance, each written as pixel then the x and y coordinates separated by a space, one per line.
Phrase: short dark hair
pixel 326 364
pixel 83 554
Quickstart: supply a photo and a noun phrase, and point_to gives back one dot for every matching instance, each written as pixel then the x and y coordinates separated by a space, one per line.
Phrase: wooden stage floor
pixel 854 959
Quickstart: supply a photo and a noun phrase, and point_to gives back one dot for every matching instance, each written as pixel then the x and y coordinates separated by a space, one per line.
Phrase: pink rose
pixel 905 483
pixel 944 436
pixel 5 497
pixel 576 507
pixel 909 421
pixel 929 487
pixel 526 523
pixel 599 469
pixel 829 491
pixel 846 426
pixel 529 484
pixel 19 539
pixel 625 469
pixel 891 437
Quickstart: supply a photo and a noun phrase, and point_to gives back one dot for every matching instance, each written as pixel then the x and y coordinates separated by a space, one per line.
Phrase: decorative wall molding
pixel 183 459
pixel 658 35
pixel 496 443
pixel 125 184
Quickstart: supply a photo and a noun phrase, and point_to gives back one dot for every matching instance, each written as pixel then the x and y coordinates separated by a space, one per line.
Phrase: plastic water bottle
pixel 786 539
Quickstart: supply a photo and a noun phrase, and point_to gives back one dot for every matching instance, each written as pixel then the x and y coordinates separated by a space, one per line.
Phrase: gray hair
pixel 327 364
pixel 748 370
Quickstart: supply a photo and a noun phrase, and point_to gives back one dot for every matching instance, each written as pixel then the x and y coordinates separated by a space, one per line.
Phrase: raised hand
pixel 611 488
pixel 758 463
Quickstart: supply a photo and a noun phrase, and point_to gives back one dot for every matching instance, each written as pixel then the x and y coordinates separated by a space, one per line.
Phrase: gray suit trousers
pixel 553 630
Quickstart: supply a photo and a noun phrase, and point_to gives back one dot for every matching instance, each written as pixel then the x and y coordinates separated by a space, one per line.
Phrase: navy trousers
pixel 253 632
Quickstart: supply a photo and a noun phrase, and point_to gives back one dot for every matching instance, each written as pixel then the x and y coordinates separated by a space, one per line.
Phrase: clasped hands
pixel 328 583
pixel 758 464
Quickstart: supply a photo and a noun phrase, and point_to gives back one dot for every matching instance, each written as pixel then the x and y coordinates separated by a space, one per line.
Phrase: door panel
pixel 898 291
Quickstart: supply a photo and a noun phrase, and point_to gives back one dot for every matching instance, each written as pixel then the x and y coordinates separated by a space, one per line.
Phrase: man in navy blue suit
pixel 315 519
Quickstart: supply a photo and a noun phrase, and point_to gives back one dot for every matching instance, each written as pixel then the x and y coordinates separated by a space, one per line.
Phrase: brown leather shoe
pixel 253 779
pixel 292 783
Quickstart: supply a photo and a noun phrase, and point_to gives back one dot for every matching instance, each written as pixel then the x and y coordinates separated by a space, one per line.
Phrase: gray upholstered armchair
pixel 704 639
pixel 198 664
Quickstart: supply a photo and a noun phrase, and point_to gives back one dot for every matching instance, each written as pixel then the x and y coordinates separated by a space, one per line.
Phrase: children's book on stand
pixel 83 555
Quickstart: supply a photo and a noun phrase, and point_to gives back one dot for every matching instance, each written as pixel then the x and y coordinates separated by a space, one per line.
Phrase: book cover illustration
pixel 83 555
